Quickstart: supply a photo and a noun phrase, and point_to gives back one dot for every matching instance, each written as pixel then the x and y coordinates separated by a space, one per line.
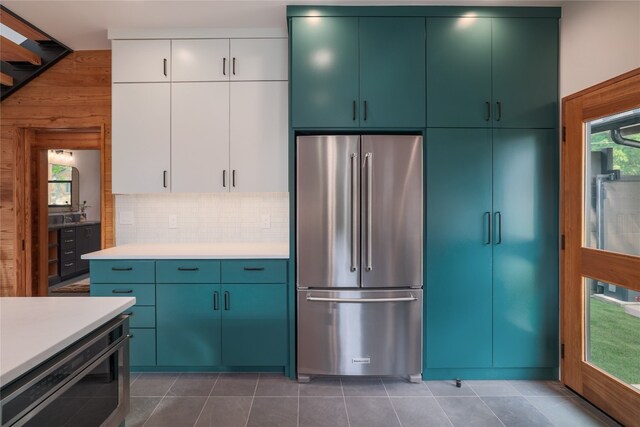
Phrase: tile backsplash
pixel 202 218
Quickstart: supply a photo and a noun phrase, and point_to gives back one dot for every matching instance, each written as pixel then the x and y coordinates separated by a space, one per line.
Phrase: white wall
pixel 598 40
pixel 202 218
pixel 88 164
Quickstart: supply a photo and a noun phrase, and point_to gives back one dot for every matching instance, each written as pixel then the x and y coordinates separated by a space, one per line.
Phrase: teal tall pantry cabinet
pixel 481 85
pixel 492 208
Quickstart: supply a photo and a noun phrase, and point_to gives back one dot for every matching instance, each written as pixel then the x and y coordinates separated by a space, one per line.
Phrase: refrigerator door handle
pixel 354 212
pixel 369 166
pixel 365 300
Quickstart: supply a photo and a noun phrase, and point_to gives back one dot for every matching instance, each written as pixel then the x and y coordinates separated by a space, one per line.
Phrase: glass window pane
pixel 59 193
pixel 59 172
pixel 612 329
pixel 612 193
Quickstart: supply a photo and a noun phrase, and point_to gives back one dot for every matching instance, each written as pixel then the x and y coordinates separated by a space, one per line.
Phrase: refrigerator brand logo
pixel 361 360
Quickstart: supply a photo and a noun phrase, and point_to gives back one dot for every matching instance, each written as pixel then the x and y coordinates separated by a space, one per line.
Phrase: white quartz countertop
pixel 193 251
pixel 33 329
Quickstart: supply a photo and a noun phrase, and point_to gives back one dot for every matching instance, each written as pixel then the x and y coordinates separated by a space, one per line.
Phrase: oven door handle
pixel 360 300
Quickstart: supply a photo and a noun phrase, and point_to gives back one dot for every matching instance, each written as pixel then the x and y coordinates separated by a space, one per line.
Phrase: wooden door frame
pixel 35 142
pixel 615 397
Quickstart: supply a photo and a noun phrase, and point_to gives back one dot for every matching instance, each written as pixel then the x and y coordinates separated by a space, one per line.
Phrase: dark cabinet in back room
pixel 364 72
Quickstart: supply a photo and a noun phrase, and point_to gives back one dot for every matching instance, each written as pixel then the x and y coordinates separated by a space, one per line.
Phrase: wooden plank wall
pixel 74 93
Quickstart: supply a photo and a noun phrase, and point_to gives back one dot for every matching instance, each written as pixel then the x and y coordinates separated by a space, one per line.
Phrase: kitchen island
pixel 52 348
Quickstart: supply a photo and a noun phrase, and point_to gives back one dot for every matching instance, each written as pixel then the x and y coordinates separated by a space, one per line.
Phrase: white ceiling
pixel 82 25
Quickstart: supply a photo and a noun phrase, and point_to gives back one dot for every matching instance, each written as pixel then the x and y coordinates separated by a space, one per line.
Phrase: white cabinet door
pixel 200 60
pixel 200 137
pixel 140 143
pixel 140 61
pixel 259 59
pixel 259 136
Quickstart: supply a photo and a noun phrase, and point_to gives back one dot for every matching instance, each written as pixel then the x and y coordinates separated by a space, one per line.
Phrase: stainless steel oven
pixel 86 384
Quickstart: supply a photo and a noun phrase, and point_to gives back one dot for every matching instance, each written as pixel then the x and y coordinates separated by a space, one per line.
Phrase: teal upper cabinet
pixel 525 72
pixel 392 83
pixel 357 72
pixel 459 72
pixel 497 72
pixel 324 72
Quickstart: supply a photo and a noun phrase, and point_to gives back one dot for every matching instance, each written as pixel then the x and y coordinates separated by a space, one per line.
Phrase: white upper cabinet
pixel 199 114
pixel 200 137
pixel 141 61
pixel 259 133
pixel 200 60
pixel 259 59
pixel 141 146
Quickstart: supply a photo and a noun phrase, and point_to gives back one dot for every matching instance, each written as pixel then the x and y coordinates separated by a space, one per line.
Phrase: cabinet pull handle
pixel 234 66
pixel 365 111
pixel 224 66
pixel 188 269
pixel 499 215
pixel 353 110
pixel 499 115
pixel 130 336
pixel 233 178
pixel 121 268
pixel 488 116
pixel 128 313
pixel 227 300
pixel 254 268
pixel 164 66
pixel 164 179
pixel 68 264
pixel 69 241
pixel 224 178
pixel 122 291
pixel 487 216
pixel 216 304
pixel 68 252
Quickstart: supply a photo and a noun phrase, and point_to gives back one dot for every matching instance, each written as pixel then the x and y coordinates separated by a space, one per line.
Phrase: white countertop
pixel 193 251
pixel 32 329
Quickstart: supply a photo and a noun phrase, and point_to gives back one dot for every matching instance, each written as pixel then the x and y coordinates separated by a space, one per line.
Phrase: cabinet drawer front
pixel 123 272
pixel 67 267
pixel 254 271
pixel 67 242
pixel 145 294
pixel 67 254
pixel 141 317
pixel 186 271
pixel 68 232
pixel 142 351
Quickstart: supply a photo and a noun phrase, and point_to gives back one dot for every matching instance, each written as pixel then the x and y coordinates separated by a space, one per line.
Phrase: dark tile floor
pixel 269 400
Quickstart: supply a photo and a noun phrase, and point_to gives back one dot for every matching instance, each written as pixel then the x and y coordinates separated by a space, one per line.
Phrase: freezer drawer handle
pixel 359 300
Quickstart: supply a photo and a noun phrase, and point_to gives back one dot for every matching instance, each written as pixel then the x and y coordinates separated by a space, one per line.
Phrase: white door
pixel 259 135
pixel 259 59
pixel 200 137
pixel 140 61
pixel 200 60
pixel 140 143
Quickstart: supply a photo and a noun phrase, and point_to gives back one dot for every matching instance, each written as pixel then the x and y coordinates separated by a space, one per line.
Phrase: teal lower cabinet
pixel 254 324
pixel 203 325
pixel 491 273
pixel 189 324
pixel 195 315
pixel 142 347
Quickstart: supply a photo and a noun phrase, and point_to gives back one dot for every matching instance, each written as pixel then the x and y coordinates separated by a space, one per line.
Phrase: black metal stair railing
pixel 20 63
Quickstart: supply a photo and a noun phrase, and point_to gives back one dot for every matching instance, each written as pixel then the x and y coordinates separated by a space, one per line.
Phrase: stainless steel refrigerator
pixel 359 237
